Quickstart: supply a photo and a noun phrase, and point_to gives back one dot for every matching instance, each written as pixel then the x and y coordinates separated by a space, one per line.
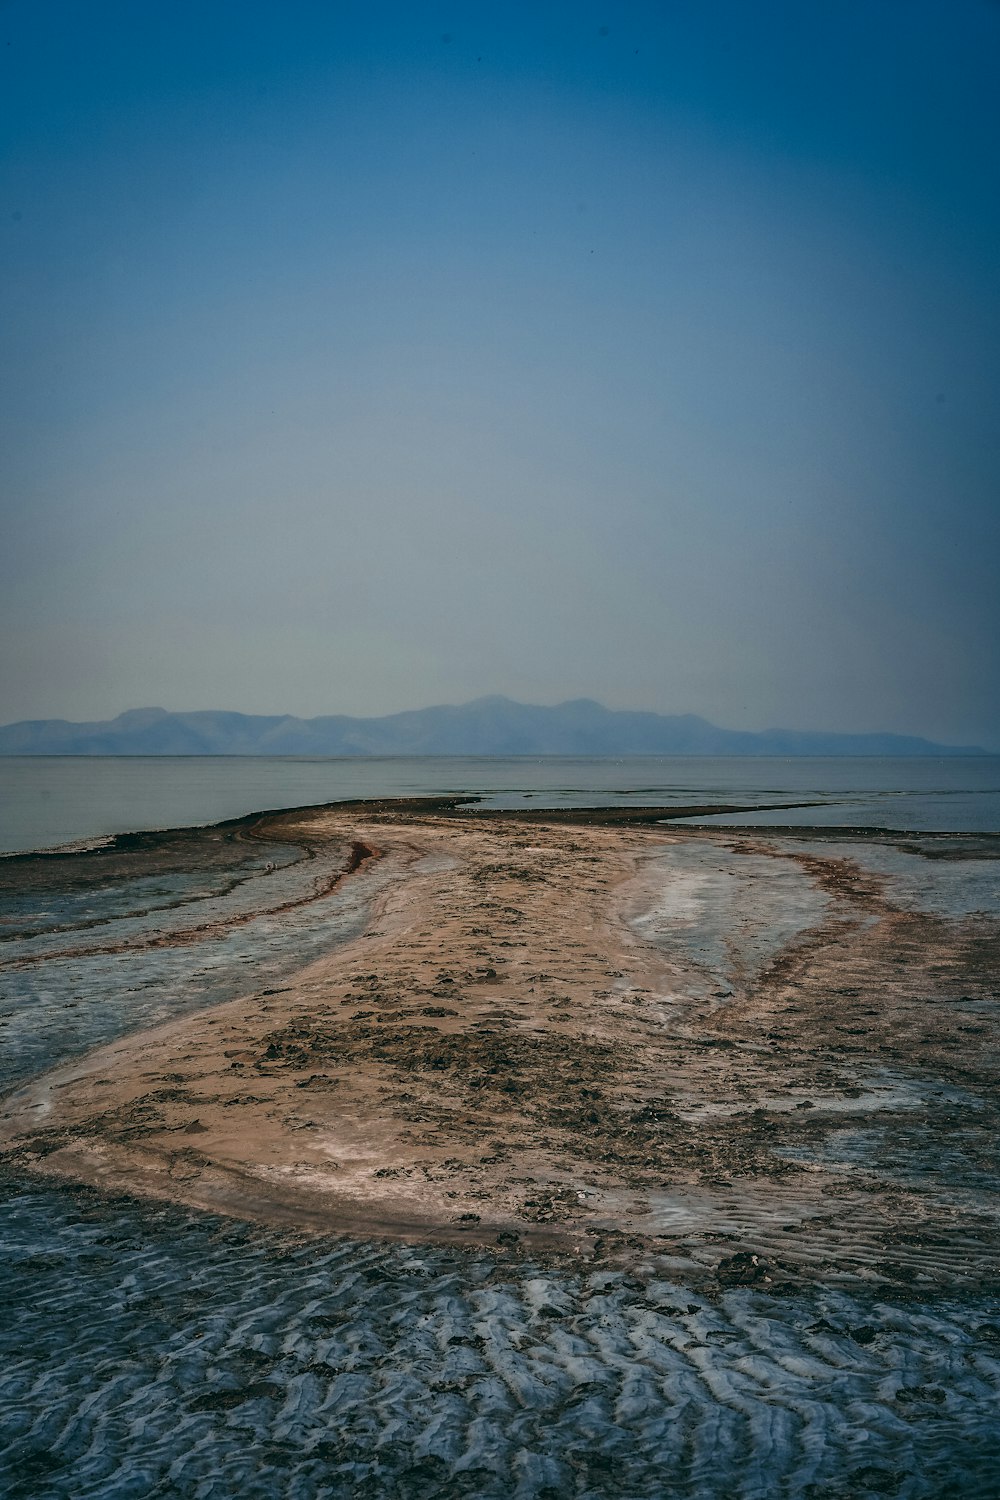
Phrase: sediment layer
pixel 511 1054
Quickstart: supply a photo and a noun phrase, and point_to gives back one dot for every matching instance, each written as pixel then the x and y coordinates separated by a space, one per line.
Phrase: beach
pixel 515 1051
pixel 424 1148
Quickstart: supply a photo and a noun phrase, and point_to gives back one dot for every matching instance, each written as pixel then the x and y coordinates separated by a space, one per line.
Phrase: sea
pixel 50 801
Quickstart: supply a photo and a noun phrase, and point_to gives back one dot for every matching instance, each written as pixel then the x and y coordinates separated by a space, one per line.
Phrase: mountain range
pixel 487 726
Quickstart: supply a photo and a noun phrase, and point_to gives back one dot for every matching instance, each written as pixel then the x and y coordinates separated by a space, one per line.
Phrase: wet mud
pixel 502 1156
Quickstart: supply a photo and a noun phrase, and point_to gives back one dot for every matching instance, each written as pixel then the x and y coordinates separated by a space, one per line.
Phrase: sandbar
pixel 510 1054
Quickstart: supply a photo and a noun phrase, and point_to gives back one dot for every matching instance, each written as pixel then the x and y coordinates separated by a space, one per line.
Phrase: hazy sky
pixel 358 356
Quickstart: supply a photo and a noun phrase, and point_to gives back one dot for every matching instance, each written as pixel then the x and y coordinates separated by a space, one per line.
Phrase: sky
pixel 361 356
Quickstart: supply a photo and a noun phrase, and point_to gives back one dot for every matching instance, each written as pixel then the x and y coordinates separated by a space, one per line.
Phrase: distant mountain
pixel 487 726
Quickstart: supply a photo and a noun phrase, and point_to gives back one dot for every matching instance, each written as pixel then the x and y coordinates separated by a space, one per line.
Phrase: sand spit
pixel 597 1040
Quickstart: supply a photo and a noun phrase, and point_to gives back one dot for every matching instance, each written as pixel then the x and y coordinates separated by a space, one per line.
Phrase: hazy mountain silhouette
pixel 487 726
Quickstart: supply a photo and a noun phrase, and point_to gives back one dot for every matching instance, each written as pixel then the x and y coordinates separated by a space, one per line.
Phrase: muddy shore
pixel 514 1052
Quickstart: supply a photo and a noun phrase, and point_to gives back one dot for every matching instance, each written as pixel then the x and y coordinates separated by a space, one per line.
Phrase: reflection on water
pixel 52 800
pixel 730 913
pixel 949 886
pixel 55 1004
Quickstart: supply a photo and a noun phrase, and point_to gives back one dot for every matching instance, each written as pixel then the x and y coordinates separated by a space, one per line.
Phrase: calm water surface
pixel 46 801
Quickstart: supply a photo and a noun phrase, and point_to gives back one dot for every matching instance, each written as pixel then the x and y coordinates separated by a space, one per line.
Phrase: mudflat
pixel 742 1054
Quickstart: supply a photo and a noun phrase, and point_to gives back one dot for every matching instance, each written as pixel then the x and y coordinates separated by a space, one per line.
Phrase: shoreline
pixel 503 1057
pixel 458 804
pixel 469 804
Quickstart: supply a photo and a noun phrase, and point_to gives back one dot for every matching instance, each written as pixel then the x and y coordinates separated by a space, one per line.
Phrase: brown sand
pixel 501 1058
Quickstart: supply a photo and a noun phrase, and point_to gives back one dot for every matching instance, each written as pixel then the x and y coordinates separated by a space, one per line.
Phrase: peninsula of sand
pixel 760 1055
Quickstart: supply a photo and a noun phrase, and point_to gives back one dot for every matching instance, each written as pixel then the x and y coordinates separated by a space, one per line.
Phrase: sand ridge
pixel 502 1057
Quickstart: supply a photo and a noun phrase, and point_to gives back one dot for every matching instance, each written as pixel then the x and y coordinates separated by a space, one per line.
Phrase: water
pixel 47 801
pixel 70 988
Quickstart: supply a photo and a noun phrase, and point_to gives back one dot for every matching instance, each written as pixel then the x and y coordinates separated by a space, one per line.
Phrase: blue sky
pixel 357 357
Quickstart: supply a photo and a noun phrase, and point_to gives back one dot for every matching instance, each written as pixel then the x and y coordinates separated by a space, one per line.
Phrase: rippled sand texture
pixel 684 1145
pixel 163 1355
